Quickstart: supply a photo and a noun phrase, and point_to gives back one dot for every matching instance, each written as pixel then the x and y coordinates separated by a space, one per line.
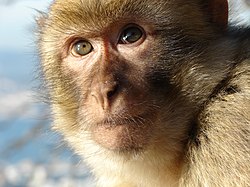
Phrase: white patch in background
pixel 56 174
pixel 15 102
pixel 239 13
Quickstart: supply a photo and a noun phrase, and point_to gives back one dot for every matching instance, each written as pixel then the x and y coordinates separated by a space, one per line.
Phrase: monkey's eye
pixel 131 34
pixel 82 48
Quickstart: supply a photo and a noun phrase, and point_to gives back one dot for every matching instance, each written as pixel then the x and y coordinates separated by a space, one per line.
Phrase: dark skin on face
pixel 140 78
pixel 113 98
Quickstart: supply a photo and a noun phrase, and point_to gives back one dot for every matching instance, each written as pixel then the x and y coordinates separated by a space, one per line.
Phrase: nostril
pixel 112 92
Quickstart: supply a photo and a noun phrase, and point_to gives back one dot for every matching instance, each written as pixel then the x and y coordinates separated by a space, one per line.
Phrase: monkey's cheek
pixel 121 137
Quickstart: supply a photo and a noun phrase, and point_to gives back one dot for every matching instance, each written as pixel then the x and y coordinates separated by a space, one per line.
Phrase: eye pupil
pixel 82 48
pixel 131 35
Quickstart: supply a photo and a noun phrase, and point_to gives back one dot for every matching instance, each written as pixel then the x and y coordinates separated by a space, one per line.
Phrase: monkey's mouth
pixel 122 134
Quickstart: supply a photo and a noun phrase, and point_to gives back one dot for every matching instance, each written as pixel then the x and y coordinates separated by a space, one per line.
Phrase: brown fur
pixel 185 96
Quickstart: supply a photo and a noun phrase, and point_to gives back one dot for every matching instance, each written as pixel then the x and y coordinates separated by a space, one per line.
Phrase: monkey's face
pixel 115 73
pixel 108 73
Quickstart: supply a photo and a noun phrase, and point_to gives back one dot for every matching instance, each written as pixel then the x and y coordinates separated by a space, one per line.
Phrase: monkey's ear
pixel 218 11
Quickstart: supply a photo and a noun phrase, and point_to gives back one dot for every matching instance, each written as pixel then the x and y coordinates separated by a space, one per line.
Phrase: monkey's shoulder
pixel 238 83
pixel 241 76
pixel 228 113
pixel 224 133
pixel 230 107
pixel 234 98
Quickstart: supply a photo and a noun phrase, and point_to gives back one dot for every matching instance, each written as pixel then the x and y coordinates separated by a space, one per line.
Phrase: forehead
pixel 99 13
pixel 96 16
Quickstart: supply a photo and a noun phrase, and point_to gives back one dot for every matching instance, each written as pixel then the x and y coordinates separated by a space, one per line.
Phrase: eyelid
pixel 132 25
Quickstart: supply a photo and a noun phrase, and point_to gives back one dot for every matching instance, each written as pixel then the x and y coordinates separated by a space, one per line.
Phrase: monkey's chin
pixel 122 137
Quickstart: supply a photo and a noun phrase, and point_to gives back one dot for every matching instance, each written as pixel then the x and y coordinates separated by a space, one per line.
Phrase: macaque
pixel 150 93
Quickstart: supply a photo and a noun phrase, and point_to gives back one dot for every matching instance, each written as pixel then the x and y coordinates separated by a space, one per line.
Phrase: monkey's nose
pixel 105 94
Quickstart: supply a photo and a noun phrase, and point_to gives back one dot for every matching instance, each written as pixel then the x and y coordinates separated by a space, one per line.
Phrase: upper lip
pixel 123 120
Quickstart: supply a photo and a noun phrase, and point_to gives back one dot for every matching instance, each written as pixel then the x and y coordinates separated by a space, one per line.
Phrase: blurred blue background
pixel 19 113
pixel 30 153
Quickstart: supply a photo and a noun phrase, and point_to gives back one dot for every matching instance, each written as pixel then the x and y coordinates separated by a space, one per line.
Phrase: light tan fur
pixel 189 75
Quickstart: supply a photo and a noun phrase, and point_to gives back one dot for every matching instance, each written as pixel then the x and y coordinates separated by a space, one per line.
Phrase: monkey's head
pixel 129 76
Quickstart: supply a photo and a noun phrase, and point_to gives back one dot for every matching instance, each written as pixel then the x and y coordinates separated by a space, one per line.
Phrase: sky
pixel 18 52
pixel 17 23
pixel 240 12
pixel 18 63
